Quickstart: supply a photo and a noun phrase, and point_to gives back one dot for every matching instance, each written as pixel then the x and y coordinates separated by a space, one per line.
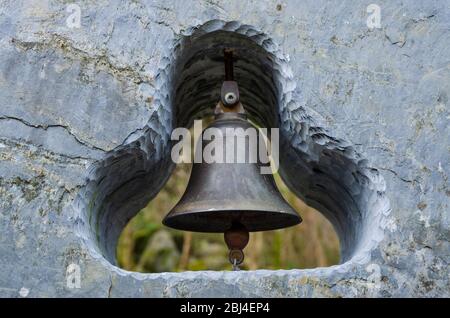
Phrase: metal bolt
pixel 230 98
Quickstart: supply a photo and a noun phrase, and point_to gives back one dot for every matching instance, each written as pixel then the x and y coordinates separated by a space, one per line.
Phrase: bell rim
pixel 175 220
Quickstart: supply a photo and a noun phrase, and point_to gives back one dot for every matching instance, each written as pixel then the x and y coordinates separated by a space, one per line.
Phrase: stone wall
pixel 86 115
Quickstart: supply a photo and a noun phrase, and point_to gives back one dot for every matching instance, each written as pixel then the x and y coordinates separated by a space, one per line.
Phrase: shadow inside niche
pixel 325 172
pixel 147 246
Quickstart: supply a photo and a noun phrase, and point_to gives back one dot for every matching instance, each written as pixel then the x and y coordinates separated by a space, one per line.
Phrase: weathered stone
pixel 86 114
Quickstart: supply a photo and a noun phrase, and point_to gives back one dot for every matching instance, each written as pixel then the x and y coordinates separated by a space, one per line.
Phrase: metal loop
pixel 236 257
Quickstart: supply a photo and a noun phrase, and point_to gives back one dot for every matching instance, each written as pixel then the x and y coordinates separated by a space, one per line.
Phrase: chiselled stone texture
pixel 86 115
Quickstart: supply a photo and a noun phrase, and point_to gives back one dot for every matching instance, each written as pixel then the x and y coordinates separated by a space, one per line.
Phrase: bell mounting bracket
pixel 229 93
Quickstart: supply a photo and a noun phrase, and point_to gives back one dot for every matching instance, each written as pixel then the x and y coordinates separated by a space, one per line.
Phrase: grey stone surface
pixel 86 115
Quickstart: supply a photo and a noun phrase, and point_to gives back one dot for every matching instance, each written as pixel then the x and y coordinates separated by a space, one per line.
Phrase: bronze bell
pixel 231 198
pixel 220 194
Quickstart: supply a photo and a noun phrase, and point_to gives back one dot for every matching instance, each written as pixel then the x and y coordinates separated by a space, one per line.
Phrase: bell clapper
pixel 236 238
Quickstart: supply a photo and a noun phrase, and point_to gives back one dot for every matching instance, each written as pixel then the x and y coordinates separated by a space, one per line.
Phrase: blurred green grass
pixel 145 245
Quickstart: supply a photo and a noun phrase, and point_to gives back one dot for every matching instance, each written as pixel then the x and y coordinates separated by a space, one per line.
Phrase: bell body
pixel 219 195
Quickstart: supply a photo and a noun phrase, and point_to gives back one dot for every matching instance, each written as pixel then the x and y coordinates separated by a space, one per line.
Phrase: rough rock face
pixel 86 115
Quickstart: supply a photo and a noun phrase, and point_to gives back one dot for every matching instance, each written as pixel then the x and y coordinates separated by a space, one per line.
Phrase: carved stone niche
pixel 85 130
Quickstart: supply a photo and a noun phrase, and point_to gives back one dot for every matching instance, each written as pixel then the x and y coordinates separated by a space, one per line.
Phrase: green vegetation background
pixel 146 245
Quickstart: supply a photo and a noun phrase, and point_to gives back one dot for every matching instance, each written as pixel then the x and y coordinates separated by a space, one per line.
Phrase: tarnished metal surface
pixel 219 194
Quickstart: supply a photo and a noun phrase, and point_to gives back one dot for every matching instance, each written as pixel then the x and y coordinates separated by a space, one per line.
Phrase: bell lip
pixel 175 221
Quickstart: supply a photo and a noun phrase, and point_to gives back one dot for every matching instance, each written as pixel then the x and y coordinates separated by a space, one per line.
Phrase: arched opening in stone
pixel 146 245
pixel 324 171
